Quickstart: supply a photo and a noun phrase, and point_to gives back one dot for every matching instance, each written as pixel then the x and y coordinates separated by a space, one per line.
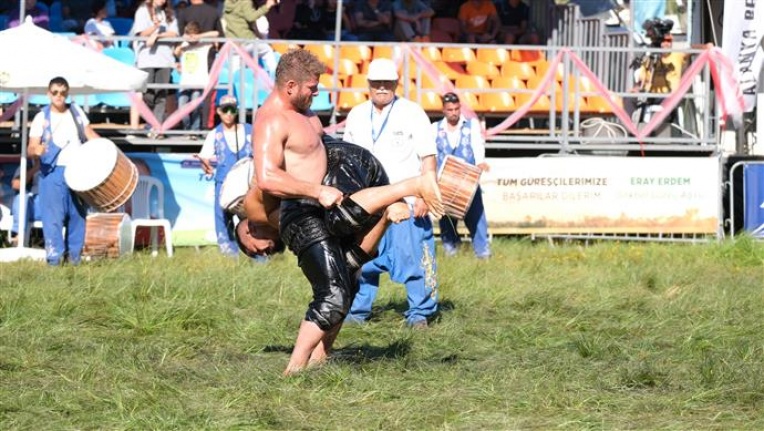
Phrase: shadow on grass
pixel 400 307
pixel 359 354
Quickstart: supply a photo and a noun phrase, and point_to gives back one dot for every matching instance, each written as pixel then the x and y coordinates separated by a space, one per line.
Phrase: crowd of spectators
pixel 479 21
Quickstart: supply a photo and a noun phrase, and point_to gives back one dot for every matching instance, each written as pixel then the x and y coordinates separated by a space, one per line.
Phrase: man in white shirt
pixel 56 132
pixel 398 132
pixel 459 136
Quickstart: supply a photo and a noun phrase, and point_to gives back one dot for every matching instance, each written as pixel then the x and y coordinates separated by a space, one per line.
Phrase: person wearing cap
pixel 398 132
pixel 462 137
pixel 229 142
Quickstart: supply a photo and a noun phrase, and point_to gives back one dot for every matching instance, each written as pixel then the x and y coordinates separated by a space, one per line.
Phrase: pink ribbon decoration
pixel 12 109
pixel 727 88
pixel 521 111
pixel 443 85
pixel 217 65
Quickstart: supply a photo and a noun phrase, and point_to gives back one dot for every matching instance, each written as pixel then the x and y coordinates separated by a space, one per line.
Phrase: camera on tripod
pixel 656 30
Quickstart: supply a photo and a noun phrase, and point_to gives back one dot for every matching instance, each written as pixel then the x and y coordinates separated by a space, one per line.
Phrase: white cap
pixel 382 69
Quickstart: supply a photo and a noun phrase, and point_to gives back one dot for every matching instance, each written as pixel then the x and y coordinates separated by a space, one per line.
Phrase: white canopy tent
pixel 32 57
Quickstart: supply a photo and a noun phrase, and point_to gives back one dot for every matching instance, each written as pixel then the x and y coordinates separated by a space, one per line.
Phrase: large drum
pixel 235 187
pixel 458 181
pixel 107 235
pixel 101 175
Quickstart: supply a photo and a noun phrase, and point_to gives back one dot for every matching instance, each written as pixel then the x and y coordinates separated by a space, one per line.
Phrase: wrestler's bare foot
pixel 397 212
pixel 430 192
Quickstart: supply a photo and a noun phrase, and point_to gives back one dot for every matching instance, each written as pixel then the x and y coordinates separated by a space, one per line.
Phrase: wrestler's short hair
pixel 298 65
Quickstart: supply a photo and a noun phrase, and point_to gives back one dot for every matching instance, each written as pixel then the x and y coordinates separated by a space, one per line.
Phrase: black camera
pixel 656 30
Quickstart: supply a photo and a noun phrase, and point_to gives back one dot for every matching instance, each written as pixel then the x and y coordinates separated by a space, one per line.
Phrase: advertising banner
pixel 741 43
pixel 189 195
pixel 602 195
pixel 753 198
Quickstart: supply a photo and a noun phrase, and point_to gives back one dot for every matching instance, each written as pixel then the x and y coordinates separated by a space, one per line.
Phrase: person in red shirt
pixel 479 21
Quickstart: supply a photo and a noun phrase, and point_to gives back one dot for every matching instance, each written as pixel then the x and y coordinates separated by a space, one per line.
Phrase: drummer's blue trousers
pixel 61 208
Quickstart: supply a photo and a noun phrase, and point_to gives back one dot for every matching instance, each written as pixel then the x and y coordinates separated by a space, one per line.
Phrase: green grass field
pixel 605 336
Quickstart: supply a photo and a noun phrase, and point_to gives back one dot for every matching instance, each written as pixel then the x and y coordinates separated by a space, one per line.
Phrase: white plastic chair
pixel 141 212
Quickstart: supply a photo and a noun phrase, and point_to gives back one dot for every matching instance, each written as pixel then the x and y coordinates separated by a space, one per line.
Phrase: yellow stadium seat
pixel 599 105
pixel 472 82
pixel 349 99
pixel 457 55
pixel 470 98
pixel 582 84
pixel 324 52
pixel 327 80
pixel 450 70
pixel 572 101
pixel 497 102
pixel 358 53
pixel 523 55
pixel 431 53
pixel 479 68
pixel 431 101
pixel 522 71
pixel 429 83
pixel 386 51
pixel 543 66
pixel 495 56
pixel 541 106
pixel 358 81
pixel 346 68
pixel 508 83
pixel 535 81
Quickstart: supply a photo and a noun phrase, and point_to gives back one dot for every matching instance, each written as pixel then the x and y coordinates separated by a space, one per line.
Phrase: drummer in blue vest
pixel 56 132
pixel 462 137
pixel 229 142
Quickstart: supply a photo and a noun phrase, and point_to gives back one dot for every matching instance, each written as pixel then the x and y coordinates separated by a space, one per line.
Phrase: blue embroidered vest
pixel 227 158
pixel 463 149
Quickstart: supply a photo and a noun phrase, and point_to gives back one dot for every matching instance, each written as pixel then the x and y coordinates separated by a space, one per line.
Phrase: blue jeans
pixel 407 252
pixel 477 225
pixel 62 209
pixel 194 119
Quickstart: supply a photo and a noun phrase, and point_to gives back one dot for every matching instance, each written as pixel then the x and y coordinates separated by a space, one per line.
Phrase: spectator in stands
pixel 55 134
pixel 459 136
pixel 445 8
pixel 374 21
pixel 240 22
pixel 227 143
pixel 330 21
pixel 33 211
pixel 515 23
pixel 398 132
pixel 39 15
pixel 155 21
pixel 308 21
pixel 210 25
pixel 194 71
pixel 98 25
pixel 479 21
pixel 412 20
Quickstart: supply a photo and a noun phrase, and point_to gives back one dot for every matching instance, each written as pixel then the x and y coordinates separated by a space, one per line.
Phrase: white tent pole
pixel 22 10
pixel 21 234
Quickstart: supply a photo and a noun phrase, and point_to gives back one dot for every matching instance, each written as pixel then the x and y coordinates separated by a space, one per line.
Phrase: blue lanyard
pixel 375 136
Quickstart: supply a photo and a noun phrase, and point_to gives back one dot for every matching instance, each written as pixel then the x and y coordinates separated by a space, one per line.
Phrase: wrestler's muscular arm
pixel 289 157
